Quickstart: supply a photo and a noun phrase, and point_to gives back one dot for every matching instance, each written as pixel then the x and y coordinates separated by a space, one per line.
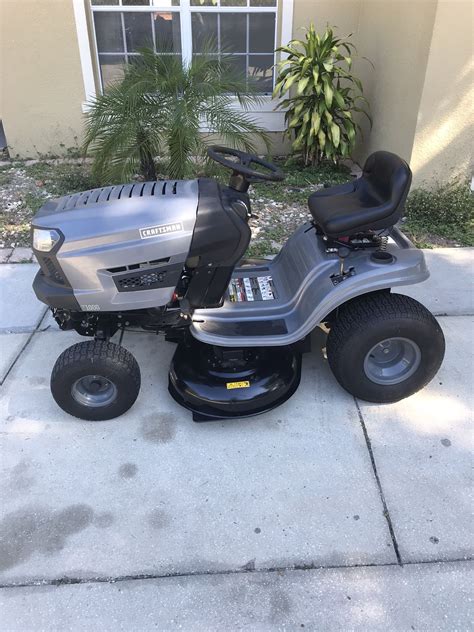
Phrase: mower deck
pixel 218 384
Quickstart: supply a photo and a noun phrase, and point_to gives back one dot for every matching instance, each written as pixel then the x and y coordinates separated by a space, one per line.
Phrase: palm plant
pixel 160 108
pixel 319 112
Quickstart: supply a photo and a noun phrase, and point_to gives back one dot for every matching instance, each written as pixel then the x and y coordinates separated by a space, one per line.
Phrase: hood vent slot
pixel 155 188
pixel 138 266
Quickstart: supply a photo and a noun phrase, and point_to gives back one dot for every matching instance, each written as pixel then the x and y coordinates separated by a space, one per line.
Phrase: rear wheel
pixel 384 347
pixel 95 380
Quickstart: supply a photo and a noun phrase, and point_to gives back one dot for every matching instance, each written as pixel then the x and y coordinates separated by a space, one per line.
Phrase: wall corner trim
pixel 84 49
pixel 287 21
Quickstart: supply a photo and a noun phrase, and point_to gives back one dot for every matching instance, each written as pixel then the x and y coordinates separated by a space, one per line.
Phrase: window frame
pixel 89 56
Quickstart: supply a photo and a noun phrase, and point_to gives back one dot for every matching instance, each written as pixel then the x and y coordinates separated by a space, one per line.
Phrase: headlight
pixel 44 240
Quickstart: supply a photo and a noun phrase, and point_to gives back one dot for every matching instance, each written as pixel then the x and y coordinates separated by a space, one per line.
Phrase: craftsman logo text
pixel 156 231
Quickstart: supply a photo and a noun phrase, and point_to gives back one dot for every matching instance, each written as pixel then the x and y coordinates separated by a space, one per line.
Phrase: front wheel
pixel 384 347
pixel 95 380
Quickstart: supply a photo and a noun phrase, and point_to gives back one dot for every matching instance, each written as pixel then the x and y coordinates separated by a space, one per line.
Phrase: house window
pixel 245 29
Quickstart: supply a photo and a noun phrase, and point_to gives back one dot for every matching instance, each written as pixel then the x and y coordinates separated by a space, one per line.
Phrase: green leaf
pixel 321 138
pixel 315 122
pixel 339 99
pixel 350 129
pixel 302 83
pixel 298 108
pixel 278 87
pixel 315 76
pixel 289 82
pixel 299 140
pixel 358 83
pixel 361 111
pixel 336 134
pixel 306 64
pixel 290 51
pixel 328 94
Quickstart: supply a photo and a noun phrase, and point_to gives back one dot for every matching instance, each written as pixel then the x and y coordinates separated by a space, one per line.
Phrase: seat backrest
pixel 389 177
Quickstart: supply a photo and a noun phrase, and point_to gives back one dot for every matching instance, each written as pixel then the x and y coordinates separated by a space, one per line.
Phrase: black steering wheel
pixel 242 166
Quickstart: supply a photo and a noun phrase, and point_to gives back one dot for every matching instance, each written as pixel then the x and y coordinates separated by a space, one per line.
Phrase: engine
pixel 137 248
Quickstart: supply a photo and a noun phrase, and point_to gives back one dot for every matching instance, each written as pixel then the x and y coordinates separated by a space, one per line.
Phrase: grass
pixel 60 179
pixel 5 178
pixel 300 181
pixel 32 202
pixel 441 216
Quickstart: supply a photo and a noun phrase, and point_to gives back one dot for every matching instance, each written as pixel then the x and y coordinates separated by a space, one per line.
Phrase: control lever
pixel 343 274
pixel 342 253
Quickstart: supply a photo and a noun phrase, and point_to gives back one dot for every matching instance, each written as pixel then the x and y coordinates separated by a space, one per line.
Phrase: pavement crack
pixel 69 581
pixel 29 339
pixel 446 315
pixel 386 512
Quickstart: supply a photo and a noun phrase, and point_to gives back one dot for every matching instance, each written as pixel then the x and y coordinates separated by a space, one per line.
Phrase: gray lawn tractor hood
pixel 122 230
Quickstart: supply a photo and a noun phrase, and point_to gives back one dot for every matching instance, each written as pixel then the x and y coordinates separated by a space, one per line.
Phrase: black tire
pixel 361 326
pixel 95 380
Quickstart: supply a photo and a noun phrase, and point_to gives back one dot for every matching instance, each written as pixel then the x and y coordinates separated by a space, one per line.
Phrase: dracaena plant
pixel 323 96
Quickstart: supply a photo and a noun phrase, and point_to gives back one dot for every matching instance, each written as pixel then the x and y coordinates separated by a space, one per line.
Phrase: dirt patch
pixel 26 186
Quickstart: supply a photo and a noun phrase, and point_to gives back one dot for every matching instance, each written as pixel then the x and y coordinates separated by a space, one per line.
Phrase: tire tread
pixel 88 352
pixel 356 317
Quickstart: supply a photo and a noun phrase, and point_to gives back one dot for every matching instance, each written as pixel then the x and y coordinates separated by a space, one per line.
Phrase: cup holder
pixel 382 256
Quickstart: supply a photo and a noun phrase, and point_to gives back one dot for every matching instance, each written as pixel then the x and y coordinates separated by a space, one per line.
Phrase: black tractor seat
pixel 372 202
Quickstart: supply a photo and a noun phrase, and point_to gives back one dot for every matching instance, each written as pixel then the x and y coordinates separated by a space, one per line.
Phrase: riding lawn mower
pixel 168 257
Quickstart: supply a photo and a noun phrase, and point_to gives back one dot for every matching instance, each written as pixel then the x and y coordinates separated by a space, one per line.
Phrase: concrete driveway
pixel 325 514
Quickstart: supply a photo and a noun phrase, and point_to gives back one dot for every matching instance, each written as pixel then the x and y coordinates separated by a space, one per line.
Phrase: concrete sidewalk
pixel 152 521
pixel 426 597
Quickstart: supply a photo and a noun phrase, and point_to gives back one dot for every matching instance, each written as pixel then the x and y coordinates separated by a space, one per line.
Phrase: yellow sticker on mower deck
pixel 231 385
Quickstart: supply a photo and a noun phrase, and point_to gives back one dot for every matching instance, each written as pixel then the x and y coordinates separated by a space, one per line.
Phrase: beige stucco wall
pixel 41 87
pixel 420 89
pixel 444 135
pixel 341 13
pixel 395 35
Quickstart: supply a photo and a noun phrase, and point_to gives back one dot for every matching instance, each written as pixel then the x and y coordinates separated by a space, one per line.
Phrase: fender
pixel 305 293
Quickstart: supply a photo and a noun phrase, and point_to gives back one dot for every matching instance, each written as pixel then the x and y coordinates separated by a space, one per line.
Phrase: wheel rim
pixel 392 361
pixel 94 391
